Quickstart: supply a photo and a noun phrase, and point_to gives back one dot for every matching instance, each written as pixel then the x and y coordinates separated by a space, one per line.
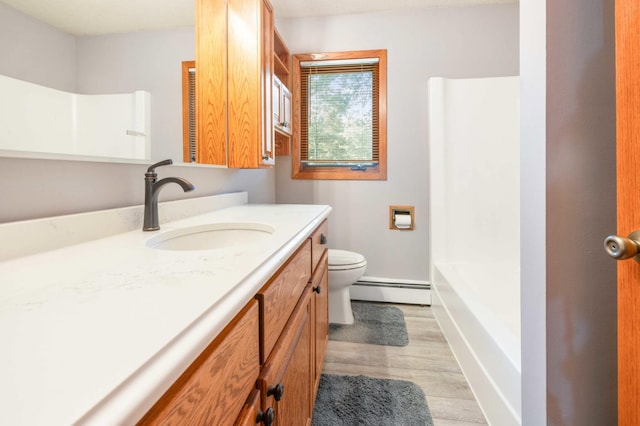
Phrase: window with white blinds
pixel 341 105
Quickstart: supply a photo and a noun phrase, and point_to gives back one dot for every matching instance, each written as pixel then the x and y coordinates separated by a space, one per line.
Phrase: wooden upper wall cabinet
pixel 234 57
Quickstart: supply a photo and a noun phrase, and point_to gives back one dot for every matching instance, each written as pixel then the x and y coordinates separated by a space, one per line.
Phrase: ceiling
pixel 302 8
pixel 83 17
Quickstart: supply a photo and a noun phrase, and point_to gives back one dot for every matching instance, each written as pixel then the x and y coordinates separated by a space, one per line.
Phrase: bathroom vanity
pixel 103 328
pixel 264 367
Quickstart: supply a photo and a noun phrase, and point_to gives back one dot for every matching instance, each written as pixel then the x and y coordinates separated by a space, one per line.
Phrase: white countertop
pixel 95 332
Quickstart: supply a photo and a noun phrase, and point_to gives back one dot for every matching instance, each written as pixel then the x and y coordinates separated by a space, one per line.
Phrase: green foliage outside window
pixel 340 117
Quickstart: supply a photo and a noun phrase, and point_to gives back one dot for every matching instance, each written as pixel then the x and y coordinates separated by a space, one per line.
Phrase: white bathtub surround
pixel 44 120
pixel 475 227
pixel 94 332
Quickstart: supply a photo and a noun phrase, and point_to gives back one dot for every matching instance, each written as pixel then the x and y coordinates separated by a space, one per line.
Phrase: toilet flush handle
pixel 621 248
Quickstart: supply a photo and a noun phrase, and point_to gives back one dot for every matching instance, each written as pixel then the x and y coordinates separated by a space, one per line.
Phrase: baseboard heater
pixel 393 291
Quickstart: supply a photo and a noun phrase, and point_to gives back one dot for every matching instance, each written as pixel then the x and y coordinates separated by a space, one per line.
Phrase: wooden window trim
pixel 378 172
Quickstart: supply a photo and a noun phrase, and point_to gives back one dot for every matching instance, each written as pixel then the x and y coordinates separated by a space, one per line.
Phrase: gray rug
pixel 362 400
pixel 374 324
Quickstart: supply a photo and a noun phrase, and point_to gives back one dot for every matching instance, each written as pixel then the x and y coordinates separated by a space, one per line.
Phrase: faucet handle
pixel 152 167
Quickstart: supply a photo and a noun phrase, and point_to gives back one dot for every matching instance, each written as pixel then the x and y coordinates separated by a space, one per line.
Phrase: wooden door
pixel 628 184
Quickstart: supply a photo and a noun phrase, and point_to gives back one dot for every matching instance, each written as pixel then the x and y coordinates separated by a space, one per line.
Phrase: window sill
pixel 338 173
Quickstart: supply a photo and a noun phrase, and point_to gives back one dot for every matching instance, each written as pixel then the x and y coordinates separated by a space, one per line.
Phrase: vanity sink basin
pixel 211 236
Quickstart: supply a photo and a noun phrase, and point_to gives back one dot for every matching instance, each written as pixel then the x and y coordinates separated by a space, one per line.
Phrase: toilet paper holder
pixel 401 218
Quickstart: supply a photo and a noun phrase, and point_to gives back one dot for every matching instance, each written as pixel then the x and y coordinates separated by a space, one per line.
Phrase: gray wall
pixel 27 44
pixel 146 60
pixel 568 205
pixel 149 61
pixel 455 42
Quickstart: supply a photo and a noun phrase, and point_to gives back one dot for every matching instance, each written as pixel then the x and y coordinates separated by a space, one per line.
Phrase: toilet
pixel 345 268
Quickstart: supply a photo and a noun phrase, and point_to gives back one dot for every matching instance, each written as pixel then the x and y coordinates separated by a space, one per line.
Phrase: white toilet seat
pixel 342 260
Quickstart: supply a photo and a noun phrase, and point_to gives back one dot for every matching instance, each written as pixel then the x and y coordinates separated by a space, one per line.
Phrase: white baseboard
pixel 374 289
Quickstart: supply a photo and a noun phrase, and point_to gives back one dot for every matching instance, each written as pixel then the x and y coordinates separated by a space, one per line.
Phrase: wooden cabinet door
pixel 277 96
pixel 268 29
pixel 285 382
pixel 213 390
pixel 281 107
pixel 211 82
pixel 320 317
pixel 319 242
pixel 234 59
pixel 295 406
pixel 251 413
pixel 244 98
pixel 285 109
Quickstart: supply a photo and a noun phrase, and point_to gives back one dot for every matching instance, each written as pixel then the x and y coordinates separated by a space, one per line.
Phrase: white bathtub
pixel 474 163
pixel 478 308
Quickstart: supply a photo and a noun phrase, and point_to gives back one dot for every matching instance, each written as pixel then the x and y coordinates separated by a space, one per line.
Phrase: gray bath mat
pixel 362 400
pixel 374 324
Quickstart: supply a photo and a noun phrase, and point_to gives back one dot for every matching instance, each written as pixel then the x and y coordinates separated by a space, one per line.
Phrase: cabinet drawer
pixel 213 390
pixel 280 295
pixel 319 243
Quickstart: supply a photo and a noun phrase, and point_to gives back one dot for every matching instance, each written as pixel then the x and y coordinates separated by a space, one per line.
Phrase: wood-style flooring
pixel 427 361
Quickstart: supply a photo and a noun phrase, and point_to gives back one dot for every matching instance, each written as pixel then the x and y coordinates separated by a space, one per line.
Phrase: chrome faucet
pixel 152 188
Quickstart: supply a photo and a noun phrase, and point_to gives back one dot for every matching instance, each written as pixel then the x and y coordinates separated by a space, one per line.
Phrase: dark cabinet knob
pixel 265 418
pixel 323 239
pixel 276 391
pixel 317 289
